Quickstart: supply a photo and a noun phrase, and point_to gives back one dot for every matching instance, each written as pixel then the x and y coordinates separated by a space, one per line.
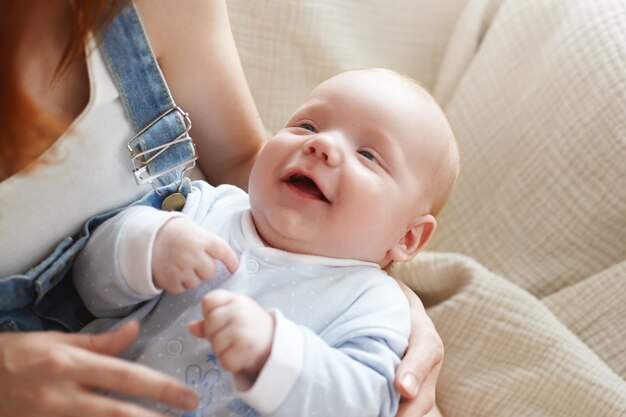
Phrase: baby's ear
pixel 416 236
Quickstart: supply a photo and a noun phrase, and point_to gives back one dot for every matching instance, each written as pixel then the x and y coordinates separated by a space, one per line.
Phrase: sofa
pixel 525 278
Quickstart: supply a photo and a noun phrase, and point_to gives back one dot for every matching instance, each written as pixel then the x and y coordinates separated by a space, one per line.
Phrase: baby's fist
pixel 184 254
pixel 239 329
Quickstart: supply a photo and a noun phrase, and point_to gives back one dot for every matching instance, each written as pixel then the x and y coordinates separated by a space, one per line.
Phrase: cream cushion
pixel 526 277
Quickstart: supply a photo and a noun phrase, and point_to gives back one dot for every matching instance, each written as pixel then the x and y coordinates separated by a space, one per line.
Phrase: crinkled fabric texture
pixel 526 277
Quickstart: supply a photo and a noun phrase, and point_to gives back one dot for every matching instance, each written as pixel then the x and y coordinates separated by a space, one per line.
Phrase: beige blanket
pixel 526 277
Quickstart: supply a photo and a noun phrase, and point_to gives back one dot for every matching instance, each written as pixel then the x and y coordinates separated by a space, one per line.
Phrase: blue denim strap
pixel 149 106
pixel 44 297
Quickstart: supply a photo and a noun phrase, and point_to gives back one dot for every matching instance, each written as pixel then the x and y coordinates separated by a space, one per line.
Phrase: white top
pixel 89 172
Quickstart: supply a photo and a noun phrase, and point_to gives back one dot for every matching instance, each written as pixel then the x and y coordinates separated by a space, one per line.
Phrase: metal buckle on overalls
pixel 143 158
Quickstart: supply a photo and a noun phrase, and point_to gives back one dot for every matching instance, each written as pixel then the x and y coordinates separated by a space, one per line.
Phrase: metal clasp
pixel 143 158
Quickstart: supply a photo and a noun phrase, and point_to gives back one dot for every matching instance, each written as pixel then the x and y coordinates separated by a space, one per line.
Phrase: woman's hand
pixel 416 376
pixel 52 374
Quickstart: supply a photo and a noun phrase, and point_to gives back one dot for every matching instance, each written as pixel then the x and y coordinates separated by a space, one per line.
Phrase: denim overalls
pixel 44 298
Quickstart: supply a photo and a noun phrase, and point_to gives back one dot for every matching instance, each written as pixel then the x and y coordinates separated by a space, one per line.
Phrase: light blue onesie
pixel 341 325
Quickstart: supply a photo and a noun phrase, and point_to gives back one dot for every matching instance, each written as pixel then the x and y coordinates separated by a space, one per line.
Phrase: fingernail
pixel 409 382
pixel 189 401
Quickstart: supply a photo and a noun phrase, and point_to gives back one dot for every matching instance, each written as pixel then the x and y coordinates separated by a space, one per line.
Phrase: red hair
pixel 26 130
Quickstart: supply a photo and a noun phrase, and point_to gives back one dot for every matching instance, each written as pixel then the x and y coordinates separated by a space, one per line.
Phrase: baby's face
pixel 346 175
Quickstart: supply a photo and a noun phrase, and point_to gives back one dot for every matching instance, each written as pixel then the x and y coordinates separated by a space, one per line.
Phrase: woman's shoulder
pixel 195 49
pixel 184 23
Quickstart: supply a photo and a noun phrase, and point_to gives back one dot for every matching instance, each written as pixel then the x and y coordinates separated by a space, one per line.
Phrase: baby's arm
pixel 349 367
pixel 284 369
pixel 114 272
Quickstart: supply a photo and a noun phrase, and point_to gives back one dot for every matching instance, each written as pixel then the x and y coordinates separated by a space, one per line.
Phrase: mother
pixel 63 158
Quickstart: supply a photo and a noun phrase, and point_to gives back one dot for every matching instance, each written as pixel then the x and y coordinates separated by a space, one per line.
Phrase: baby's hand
pixel 184 254
pixel 240 331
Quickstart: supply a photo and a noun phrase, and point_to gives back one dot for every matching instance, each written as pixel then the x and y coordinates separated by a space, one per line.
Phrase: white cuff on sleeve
pixel 281 371
pixel 135 247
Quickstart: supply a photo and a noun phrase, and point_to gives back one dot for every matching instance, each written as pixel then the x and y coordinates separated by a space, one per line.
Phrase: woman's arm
pixel 416 376
pixel 195 48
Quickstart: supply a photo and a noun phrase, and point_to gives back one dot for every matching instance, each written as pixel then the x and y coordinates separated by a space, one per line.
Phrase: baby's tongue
pixel 308 186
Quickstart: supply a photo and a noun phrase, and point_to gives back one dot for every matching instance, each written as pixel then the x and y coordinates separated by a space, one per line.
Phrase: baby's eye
pixel 309 127
pixel 367 155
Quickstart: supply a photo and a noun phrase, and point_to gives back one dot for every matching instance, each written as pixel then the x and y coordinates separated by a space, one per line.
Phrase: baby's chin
pixel 288 230
pixel 283 229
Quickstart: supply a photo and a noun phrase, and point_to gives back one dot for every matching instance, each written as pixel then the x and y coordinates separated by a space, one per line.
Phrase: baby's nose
pixel 323 147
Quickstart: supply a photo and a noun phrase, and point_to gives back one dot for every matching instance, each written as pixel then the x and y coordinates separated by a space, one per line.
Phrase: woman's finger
pixel 425 352
pixel 90 404
pixel 423 403
pixel 86 365
pixel 111 343
pixel 423 358
pixel 123 377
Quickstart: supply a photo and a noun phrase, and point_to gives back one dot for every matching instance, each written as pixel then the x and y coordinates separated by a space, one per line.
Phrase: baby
pixel 300 316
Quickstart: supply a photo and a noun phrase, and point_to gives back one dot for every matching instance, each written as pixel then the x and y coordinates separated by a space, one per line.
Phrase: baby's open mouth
pixel 307 186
